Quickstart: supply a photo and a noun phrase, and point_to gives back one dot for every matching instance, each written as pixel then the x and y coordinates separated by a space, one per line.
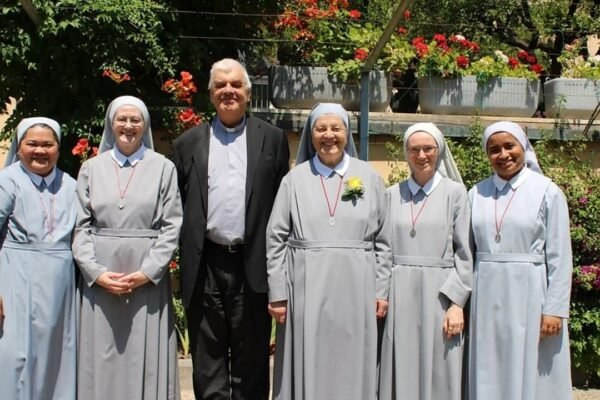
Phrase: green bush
pixel 569 165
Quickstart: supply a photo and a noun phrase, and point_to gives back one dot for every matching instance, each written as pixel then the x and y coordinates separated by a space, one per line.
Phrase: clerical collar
pixel 427 187
pixel 515 182
pixel 236 129
pixel 133 159
pixel 326 171
pixel 37 179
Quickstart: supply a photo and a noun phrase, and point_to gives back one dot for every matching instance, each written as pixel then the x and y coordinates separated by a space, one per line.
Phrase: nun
pixel 423 340
pixel 37 282
pixel 328 267
pixel 128 219
pixel 519 344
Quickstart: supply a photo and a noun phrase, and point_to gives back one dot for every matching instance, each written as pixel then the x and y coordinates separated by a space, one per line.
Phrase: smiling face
pixel 128 128
pixel 506 155
pixel 38 150
pixel 329 138
pixel 422 156
pixel 229 95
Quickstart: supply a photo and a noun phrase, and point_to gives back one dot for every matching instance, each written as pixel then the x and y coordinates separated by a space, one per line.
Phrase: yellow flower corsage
pixel 354 189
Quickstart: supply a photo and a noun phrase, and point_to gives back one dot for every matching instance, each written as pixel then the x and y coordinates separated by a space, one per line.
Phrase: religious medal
pixel 122 192
pixel 498 237
pixel 414 219
pixel 337 199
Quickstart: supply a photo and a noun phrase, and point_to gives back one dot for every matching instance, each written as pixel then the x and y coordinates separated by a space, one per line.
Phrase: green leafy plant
pixel 181 324
pixel 458 56
pixel 574 65
pixel 329 33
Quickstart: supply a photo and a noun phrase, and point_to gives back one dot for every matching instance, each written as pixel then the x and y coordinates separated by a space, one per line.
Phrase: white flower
pixel 501 56
pixel 460 37
pixel 595 59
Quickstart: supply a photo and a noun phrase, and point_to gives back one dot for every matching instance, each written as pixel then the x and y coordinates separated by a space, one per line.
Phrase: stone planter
pixel 571 97
pixel 303 87
pixel 503 97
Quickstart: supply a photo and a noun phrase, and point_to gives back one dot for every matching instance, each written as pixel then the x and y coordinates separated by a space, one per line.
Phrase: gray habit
pixel 37 283
pixel 128 347
pixel 331 277
pixel 517 280
pixel 431 270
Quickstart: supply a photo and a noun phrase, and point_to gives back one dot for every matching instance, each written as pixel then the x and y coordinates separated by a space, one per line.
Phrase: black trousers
pixel 230 330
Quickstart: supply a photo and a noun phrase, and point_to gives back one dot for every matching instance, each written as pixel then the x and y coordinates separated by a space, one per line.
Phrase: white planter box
pixel 503 97
pixel 303 87
pixel 571 97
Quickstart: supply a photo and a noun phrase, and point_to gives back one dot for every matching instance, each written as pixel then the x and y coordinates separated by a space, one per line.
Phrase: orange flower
pixel 81 148
pixel 115 76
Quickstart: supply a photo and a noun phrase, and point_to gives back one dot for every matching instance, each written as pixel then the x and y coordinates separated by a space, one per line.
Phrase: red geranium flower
pixel 402 30
pixel 439 38
pixel 462 61
pixel 361 54
pixel 531 59
pixel 522 55
pixel 354 14
pixel 406 15
pixel 513 62
pixel 537 68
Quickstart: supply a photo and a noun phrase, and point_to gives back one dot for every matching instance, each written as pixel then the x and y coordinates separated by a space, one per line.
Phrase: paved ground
pixel 185 369
pixel 591 394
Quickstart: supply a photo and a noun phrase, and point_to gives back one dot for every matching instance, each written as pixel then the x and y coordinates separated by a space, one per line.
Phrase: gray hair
pixel 226 65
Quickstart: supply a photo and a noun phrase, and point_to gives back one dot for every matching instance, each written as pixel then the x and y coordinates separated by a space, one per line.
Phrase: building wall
pixel 4 145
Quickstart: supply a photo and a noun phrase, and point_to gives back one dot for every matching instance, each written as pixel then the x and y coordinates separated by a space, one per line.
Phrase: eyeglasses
pixel 428 150
pixel 134 121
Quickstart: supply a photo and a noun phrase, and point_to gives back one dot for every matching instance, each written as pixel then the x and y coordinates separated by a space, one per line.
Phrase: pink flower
pixel 583 200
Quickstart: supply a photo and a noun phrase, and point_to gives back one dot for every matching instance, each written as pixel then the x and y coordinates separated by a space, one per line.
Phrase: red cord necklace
pixel 498 237
pixel 123 192
pixel 337 199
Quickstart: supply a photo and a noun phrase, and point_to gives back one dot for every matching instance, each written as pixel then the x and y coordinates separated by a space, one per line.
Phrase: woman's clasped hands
pixel 120 283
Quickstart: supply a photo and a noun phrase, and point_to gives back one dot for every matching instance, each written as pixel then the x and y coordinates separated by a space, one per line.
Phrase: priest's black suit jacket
pixel 267 163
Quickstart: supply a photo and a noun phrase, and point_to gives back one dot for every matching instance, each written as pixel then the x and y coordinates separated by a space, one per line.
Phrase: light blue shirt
pixel 37 179
pixel 227 166
pixel 339 169
pixel 133 159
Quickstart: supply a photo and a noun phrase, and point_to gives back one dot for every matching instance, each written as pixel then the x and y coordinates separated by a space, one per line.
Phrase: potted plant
pixel 457 77
pixel 577 92
pixel 321 49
